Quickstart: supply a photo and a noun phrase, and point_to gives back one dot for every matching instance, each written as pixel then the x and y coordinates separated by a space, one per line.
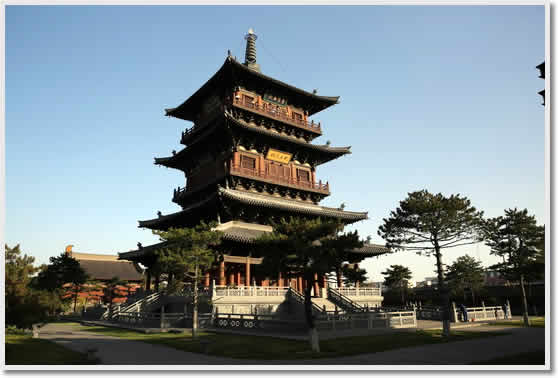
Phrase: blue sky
pixel 442 98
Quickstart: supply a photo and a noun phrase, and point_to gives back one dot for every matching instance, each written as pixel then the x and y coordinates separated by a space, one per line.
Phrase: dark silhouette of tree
pixel 465 273
pixel 301 247
pixel 62 270
pixel 428 224
pixel 187 253
pixel 518 239
pixel 397 278
pixel 353 275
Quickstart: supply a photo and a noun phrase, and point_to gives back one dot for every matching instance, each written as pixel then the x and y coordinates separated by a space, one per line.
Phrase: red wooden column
pixel 222 273
pixel 316 285
pixel 207 279
pixel 324 281
pixel 247 274
pixel 279 280
pixel 299 284
pixel 231 276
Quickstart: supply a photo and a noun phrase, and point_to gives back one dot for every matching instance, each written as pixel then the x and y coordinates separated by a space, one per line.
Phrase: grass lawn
pixel 266 348
pixel 536 322
pixel 25 350
pixel 530 358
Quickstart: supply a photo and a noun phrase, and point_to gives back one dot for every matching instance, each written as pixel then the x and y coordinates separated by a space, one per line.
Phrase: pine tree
pixel 429 224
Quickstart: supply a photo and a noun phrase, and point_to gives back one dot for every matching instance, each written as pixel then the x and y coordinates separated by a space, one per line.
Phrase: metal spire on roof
pixel 250 57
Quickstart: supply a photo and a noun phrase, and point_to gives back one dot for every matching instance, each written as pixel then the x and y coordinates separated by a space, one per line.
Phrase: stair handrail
pixel 300 298
pixel 336 296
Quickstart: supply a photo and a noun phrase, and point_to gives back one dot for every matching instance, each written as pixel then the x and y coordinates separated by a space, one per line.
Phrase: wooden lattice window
pixel 247 162
pixel 296 116
pixel 303 175
pixel 248 100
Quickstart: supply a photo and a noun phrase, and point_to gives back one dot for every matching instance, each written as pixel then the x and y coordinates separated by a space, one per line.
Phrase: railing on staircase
pixel 344 302
pixel 300 299
pixel 115 309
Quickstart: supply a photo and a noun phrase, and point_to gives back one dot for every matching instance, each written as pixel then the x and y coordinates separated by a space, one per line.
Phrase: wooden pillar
pixel 238 278
pixel 316 285
pixel 148 280
pixel 279 280
pixel 324 281
pixel 231 276
pixel 222 273
pixel 207 279
pixel 299 284
pixel 247 272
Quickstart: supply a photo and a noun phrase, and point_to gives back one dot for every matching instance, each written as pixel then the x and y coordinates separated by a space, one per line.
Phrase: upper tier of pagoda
pixel 233 75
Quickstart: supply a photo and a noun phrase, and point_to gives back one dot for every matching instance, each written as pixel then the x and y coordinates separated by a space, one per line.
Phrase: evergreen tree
pixel 465 273
pixel 300 247
pixel 518 239
pixel 187 253
pixel 63 270
pixel 428 224
pixel 397 278
pixel 352 276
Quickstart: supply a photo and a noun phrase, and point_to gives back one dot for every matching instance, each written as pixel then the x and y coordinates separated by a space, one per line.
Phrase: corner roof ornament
pixel 250 56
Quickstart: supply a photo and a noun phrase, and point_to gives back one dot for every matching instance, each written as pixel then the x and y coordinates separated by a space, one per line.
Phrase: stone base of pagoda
pixel 263 300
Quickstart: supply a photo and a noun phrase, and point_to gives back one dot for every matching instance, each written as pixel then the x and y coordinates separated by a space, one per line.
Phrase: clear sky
pixel 442 98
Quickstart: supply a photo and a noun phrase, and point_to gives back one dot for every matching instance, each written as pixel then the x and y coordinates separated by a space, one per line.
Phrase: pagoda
pixel 249 159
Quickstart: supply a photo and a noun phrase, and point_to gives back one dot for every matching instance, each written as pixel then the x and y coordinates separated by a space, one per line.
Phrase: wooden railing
pixel 250 291
pixel 360 291
pixel 289 181
pixel 271 111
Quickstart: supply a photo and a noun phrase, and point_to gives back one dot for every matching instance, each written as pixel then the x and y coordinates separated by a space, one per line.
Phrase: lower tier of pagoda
pixel 209 207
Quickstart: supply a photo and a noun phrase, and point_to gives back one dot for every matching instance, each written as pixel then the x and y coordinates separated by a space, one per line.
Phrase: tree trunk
pixel 443 293
pixel 473 296
pixel 402 294
pixel 524 300
pixel 312 331
pixel 195 312
pixel 76 292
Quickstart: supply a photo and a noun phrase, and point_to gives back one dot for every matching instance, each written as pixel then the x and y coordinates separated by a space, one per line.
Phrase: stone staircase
pixel 327 305
pixel 138 303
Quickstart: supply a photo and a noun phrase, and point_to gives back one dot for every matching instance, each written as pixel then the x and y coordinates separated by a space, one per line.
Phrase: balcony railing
pixel 271 111
pixel 281 180
pixel 360 291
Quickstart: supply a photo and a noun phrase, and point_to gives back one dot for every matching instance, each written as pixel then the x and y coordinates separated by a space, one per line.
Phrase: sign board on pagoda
pixel 278 156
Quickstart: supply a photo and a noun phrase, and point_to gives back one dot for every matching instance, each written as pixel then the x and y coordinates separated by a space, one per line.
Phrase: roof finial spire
pixel 250 57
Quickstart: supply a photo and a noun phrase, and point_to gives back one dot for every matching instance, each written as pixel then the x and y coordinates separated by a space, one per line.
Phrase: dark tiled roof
pixel 105 270
pixel 169 218
pixel 372 249
pixel 292 205
pixel 187 109
pixel 323 147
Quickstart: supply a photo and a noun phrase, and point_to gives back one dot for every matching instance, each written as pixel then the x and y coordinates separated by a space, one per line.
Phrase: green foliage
pixel 62 269
pixel 353 275
pixel 397 277
pixel 426 223
pixel 465 273
pixel 301 247
pixel 187 248
pixel 519 241
pixel 19 269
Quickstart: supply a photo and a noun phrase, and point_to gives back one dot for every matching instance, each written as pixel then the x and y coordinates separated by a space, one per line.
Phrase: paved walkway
pixel 116 351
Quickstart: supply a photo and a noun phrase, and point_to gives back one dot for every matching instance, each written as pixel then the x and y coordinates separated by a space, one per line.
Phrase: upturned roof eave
pixel 182 111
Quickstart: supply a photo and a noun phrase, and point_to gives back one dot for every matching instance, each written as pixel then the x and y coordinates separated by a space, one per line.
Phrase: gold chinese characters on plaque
pixel 278 156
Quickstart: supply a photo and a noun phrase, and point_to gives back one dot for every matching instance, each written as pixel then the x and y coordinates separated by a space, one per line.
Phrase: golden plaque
pixel 278 156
